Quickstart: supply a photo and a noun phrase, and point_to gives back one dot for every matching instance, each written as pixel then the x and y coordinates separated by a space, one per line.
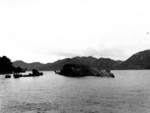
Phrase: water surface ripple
pixel 128 92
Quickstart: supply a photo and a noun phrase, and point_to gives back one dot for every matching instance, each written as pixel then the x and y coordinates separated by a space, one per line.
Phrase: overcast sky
pixel 47 30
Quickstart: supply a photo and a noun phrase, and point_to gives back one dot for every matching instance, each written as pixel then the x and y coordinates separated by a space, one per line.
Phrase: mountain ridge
pixel 90 61
pixel 139 60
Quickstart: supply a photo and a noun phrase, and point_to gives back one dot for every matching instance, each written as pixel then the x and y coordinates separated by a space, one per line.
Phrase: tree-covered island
pixel 6 66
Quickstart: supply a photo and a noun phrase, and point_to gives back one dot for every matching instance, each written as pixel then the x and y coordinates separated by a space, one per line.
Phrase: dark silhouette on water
pixel 33 74
pixel 78 70
pixel 17 75
pixel 36 73
pixel 7 76
pixel 17 72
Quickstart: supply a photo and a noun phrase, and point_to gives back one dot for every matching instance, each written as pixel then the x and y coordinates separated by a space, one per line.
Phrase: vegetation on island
pixel 79 70
pixel 6 66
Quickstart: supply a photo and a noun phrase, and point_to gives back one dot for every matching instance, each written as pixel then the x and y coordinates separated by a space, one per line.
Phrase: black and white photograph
pixel 74 56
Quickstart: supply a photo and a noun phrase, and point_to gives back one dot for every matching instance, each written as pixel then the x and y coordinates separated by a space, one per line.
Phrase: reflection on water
pixel 129 92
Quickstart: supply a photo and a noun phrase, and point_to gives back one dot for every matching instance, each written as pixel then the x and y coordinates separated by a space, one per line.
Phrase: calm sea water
pixel 129 92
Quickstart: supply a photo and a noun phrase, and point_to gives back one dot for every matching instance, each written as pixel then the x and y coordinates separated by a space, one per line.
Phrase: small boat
pixel 7 76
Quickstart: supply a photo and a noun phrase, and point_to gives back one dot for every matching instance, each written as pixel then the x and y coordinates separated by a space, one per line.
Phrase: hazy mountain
pixel 140 60
pixel 102 63
pixel 29 66
pixel 105 63
pixel 76 60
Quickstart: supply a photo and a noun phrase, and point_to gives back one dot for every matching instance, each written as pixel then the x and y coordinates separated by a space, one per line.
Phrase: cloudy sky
pixel 47 30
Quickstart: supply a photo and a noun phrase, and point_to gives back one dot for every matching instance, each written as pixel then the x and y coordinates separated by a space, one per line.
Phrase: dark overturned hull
pixel 29 75
pixel 77 70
